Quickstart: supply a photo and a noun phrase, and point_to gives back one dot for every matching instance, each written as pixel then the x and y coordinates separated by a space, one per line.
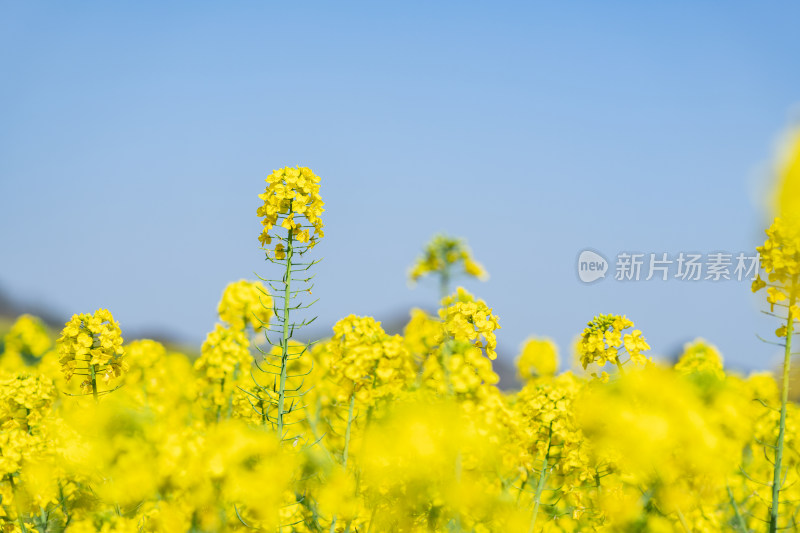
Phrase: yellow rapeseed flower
pixel 539 358
pixel 780 259
pixel 90 345
pixel 245 303
pixel 291 197
pixel 366 361
pixel 700 357
pixel 469 319
pixel 28 336
pixel 603 337
pixel 441 254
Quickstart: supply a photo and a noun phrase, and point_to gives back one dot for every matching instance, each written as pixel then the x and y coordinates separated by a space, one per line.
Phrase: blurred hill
pixel 11 308
pixel 393 323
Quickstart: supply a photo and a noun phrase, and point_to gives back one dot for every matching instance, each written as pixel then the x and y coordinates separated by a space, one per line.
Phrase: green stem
pixel 683 521
pixel 314 433
pixel 445 359
pixel 93 374
pixel 444 283
pixel 619 366
pixel 42 520
pixel 285 338
pixel 219 407
pixel 372 518
pixel 20 519
pixel 739 518
pixel 64 508
pixel 787 358
pixel 21 523
pixel 520 492
pixel 346 445
pixel 542 479
pixel 347 431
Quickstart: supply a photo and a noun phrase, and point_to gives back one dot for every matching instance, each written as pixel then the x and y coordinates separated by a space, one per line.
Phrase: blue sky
pixel 135 138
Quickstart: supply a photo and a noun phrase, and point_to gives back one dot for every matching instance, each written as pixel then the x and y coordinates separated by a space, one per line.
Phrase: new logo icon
pixel 591 266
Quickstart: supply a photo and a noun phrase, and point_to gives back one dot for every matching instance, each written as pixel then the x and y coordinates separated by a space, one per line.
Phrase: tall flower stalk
pixel 446 257
pixel 291 216
pixel 780 258
pixel 787 359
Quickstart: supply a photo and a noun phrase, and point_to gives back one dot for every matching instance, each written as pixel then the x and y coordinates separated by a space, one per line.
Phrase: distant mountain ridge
pixel 11 308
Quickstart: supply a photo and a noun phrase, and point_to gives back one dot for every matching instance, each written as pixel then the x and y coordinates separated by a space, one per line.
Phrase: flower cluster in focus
pixel 469 319
pixel 291 198
pixel 367 362
pixel 90 345
pixel 604 336
pixel 780 259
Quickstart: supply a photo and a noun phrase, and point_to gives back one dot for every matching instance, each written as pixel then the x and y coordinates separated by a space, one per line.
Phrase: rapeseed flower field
pixel 365 431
